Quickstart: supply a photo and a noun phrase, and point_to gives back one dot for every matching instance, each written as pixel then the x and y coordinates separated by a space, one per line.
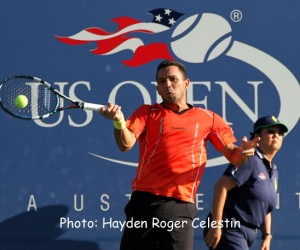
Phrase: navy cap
pixel 268 121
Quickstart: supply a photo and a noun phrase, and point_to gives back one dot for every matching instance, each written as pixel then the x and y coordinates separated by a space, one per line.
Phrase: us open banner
pixel 63 182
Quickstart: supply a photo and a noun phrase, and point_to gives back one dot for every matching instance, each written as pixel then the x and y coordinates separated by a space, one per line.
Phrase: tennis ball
pixel 21 101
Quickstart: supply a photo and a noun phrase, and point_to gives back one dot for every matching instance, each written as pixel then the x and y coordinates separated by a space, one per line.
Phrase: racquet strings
pixel 41 100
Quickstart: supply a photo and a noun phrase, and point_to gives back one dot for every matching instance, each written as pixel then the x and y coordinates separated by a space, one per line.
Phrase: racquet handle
pixel 92 106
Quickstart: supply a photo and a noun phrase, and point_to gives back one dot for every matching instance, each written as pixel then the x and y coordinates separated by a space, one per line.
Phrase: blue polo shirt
pixel 255 194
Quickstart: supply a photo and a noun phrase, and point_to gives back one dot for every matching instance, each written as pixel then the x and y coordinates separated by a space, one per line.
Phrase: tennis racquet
pixel 41 99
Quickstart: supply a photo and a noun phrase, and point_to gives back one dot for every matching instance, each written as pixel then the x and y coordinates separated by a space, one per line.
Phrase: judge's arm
pixel 266 233
pixel 220 194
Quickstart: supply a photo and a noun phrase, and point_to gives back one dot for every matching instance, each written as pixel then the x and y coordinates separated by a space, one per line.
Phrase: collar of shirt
pixel 269 165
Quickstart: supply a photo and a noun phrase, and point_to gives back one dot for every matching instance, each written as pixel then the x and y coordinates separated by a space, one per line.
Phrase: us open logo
pixel 196 39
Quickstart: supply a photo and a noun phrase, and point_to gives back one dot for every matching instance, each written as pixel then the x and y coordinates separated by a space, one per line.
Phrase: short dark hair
pixel 168 63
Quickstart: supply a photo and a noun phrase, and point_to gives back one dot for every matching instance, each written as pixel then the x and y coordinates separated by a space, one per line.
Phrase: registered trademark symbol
pixel 236 15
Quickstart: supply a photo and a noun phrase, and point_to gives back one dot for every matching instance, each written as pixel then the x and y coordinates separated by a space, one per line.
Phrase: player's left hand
pixel 248 147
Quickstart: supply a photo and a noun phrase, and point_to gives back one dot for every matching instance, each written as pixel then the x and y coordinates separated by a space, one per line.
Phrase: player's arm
pixel 124 137
pixel 220 194
pixel 238 155
pixel 266 233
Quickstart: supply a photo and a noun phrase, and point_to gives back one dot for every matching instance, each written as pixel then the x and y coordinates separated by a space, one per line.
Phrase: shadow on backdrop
pixel 39 230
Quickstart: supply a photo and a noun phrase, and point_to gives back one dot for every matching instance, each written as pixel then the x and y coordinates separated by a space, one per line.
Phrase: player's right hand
pixel 112 112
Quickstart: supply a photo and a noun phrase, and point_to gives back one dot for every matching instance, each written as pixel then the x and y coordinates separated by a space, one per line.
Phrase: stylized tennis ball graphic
pixel 201 38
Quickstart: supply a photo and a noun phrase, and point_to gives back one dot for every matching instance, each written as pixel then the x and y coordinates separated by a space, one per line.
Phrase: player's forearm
pixel 234 154
pixel 237 157
pixel 125 139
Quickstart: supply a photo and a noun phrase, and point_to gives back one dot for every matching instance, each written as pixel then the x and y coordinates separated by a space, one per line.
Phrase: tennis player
pixel 247 193
pixel 172 139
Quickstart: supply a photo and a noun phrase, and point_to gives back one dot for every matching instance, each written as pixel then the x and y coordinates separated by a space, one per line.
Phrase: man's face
pixel 171 85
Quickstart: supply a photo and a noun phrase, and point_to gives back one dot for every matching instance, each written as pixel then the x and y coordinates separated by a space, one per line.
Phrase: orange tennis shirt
pixel 173 148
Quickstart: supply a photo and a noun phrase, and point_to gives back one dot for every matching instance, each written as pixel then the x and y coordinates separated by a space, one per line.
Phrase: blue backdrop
pixel 63 182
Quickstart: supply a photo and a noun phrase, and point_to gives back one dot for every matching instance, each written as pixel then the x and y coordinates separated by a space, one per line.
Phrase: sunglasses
pixel 273 132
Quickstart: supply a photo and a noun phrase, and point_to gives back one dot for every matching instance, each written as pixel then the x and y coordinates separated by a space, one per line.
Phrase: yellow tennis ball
pixel 21 101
